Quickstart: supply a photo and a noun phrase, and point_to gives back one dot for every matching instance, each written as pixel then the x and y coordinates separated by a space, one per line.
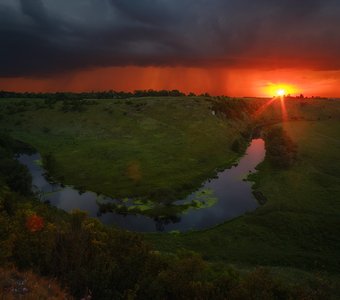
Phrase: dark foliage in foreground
pixel 26 285
pixel 88 257
pixel 15 175
pixel 85 256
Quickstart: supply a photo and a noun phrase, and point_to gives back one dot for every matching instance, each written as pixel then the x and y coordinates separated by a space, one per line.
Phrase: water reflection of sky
pixel 234 197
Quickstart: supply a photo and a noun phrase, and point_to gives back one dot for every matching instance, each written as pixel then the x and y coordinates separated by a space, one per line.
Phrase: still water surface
pixel 233 197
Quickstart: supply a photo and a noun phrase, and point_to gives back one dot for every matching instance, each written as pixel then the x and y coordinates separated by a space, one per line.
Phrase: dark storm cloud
pixel 42 37
pixel 34 9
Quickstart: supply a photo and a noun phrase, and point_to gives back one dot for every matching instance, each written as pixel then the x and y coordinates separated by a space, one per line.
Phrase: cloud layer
pixel 47 37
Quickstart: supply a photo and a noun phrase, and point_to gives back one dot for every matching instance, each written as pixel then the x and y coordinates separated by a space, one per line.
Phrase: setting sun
pixel 281 92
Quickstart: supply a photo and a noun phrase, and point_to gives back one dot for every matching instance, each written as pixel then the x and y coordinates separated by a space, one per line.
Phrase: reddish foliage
pixel 34 223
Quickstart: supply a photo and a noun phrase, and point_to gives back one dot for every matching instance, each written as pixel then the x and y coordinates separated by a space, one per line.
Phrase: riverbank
pixel 48 241
pixel 161 148
pixel 299 224
pixel 294 234
pixel 224 197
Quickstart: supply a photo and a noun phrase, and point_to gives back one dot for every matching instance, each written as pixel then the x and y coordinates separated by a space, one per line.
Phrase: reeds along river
pixel 222 198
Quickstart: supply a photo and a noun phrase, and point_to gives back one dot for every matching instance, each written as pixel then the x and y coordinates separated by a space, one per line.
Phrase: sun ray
pixel 284 109
pixel 263 107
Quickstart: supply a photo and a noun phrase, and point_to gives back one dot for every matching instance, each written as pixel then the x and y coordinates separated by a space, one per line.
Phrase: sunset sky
pixel 231 47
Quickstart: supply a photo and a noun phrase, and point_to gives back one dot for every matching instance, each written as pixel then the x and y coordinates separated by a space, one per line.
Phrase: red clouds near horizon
pixel 222 47
pixel 232 82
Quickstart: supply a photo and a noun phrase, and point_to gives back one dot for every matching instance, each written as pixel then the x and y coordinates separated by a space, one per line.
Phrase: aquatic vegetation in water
pixel 199 209
pixel 38 162
pixel 202 199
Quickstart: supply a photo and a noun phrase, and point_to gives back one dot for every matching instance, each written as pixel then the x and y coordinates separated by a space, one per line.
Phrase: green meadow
pixel 164 148
pixel 298 226
pixel 161 148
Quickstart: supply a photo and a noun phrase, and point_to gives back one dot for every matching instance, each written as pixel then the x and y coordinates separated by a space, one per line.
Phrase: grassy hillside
pixel 170 145
pixel 157 147
pixel 298 226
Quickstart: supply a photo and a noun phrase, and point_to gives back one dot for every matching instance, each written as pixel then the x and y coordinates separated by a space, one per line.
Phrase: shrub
pixel 26 285
pixel 280 149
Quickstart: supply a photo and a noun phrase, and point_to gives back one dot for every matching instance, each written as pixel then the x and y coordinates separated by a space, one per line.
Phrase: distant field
pixel 161 148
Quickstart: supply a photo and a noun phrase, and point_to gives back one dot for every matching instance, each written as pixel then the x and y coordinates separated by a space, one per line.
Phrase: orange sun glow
pixel 280 90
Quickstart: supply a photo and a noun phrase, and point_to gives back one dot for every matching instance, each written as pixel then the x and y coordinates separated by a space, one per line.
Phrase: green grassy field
pixel 167 147
pixel 299 225
pixel 163 148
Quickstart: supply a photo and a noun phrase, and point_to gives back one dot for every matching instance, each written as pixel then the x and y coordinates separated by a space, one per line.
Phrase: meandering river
pixel 229 196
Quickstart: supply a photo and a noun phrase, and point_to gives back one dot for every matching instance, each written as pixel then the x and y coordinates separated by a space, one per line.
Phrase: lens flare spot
pixel 281 92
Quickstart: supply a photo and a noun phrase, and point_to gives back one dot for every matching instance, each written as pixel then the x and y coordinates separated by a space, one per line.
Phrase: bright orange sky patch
pixel 232 82
pixel 280 89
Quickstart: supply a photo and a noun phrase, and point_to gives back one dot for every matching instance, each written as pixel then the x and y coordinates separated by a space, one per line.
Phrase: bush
pixel 280 149
pixel 26 285
pixel 89 258
pixel 236 146
pixel 16 176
